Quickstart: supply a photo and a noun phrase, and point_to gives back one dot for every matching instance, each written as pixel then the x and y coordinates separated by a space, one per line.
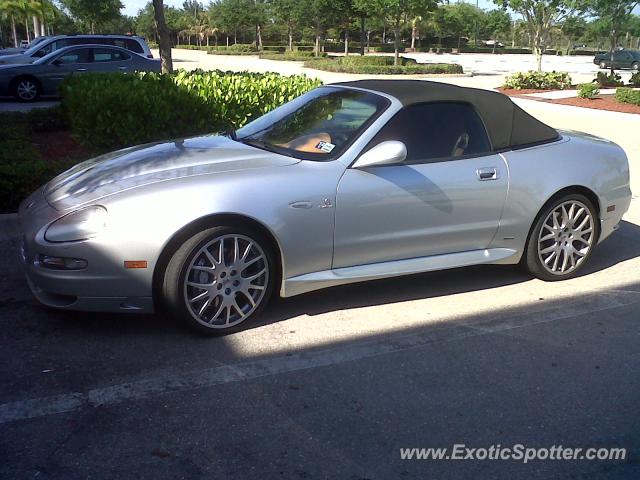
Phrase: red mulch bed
pixel 601 102
pixel 59 146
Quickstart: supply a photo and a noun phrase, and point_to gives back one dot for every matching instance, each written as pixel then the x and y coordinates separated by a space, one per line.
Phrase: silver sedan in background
pixel 347 183
pixel 27 82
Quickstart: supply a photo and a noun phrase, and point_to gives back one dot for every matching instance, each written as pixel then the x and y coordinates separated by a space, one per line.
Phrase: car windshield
pixel 318 125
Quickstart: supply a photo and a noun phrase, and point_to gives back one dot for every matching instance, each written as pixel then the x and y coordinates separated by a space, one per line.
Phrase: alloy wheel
pixel 27 90
pixel 566 237
pixel 226 281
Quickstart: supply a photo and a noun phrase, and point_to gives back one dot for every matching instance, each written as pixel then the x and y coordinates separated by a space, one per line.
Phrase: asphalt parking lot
pixel 334 383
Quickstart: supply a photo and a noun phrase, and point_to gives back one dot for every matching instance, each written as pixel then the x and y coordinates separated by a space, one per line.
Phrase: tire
pixel 603 64
pixel 26 89
pixel 554 254
pixel 233 296
pixel 635 66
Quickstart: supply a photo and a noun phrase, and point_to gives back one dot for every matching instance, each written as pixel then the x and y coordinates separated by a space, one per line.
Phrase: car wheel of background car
pixel 219 279
pixel 26 89
pixel 563 238
pixel 603 64
pixel 635 66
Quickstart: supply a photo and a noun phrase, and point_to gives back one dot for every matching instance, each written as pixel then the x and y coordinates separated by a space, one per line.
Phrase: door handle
pixel 81 70
pixel 487 173
pixel 123 68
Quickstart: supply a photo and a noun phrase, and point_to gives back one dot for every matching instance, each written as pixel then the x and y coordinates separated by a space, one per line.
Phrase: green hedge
pixel 538 80
pixel 607 79
pixel 109 111
pixel 295 56
pixel 507 50
pixel 635 80
pixel 22 170
pixel 628 95
pixel 588 90
pixel 381 65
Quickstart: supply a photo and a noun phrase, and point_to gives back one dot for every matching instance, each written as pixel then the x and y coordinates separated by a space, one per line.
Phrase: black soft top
pixel 507 124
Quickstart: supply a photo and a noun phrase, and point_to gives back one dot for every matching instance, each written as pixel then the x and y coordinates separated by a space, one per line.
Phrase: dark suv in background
pixel 621 59
pixel 135 44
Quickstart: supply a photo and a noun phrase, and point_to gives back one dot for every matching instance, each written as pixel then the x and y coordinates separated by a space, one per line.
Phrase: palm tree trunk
pixel 26 24
pixel 13 30
pixel 290 33
pixel 36 29
pixel 164 40
pixel 346 41
pixel 396 42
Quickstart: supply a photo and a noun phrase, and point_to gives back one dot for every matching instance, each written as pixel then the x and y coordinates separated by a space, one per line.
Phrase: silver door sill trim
pixel 340 276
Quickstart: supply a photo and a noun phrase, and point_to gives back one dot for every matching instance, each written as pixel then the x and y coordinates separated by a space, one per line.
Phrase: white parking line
pixel 440 333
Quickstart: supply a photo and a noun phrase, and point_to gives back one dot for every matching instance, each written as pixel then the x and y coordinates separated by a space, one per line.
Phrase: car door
pixel 107 59
pixel 447 196
pixel 620 59
pixel 73 62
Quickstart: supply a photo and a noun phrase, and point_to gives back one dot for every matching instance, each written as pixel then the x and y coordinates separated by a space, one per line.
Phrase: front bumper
pixel 104 286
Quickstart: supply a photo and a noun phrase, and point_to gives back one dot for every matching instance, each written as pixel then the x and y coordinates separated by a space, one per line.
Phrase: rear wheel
pixel 635 66
pixel 603 64
pixel 220 279
pixel 26 89
pixel 562 239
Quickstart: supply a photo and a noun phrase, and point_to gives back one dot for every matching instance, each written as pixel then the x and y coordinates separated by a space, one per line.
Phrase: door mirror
pixel 385 153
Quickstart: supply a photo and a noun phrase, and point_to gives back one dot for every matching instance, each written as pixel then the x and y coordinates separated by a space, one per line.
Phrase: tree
pixel 497 24
pixel 573 28
pixel 164 40
pixel 615 12
pixel 289 13
pixel 11 8
pixel 462 19
pixel 94 13
pixel 397 11
pixel 541 16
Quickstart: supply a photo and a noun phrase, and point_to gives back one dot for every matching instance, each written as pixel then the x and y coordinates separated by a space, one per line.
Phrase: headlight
pixel 79 225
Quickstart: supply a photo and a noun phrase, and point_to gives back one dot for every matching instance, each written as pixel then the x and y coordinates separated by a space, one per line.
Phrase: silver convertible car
pixel 346 183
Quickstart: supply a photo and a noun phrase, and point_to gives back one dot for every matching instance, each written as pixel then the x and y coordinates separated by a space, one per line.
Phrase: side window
pixel 46 50
pixel 109 55
pixel 134 46
pixel 436 131
pixel 79 55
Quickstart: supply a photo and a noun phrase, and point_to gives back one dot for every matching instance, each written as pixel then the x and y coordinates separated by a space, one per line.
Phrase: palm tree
pixel 11 9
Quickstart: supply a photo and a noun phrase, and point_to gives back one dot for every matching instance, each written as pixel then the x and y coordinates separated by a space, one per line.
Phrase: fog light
pixel 62 263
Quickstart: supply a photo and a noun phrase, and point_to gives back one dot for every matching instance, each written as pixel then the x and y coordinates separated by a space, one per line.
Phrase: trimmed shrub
pixel 538 80
pixel 498 50
pixel 388 48
pixel 588 90
pixel 628 95
pixel 383 65
pixel 22 170
pixel 608 80
pixel 109 111
pixel 295 56
pixel 635 80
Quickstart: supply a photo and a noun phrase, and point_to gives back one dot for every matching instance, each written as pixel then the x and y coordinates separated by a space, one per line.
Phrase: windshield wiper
pixel 253 142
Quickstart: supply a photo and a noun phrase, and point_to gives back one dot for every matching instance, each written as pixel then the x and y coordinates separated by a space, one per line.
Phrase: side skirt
pixel 374 271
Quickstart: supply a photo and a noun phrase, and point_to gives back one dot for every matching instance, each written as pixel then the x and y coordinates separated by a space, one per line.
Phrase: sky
pixel 131 7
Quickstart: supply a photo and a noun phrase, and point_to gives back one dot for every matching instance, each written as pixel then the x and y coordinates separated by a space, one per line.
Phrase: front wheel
pixel 26 90
pixel 562 239
pixel 219 279
pixel 603 64
pixel 635 66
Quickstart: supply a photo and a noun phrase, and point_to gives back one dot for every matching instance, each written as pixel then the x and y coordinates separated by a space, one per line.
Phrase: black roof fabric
pixel 507 124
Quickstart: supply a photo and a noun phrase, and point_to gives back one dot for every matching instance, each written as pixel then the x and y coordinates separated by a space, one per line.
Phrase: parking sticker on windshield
pixel 325 146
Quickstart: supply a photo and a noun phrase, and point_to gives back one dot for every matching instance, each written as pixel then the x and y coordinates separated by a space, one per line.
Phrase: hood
pixel 143 165
pixel 19 59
